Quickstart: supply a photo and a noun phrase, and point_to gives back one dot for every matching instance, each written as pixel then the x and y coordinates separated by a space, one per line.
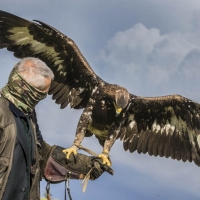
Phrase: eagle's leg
pixel 105 158
pixel 74 148
pixel 80 132
pixel 107 146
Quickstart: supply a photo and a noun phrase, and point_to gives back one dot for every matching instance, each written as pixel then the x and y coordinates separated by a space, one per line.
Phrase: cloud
pixel 145 55
pixel 190 65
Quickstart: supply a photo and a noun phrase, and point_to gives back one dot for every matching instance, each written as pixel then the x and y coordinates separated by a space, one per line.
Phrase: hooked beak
pixel 118 111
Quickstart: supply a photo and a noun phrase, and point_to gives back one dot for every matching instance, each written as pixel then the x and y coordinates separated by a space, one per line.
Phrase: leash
pixel 48 195
pixel 67 188
pixel 87 150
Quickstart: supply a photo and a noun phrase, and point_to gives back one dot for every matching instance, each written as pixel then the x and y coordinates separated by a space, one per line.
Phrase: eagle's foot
pixel 105 159
pixel 73 149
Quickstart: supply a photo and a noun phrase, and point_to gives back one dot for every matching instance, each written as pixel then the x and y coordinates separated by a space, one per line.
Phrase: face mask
pixel 23 95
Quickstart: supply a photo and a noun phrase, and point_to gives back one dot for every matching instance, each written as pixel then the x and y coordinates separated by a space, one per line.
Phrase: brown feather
pixel 141 139
pixel 63 98
pixel 161 144
pixel 133 143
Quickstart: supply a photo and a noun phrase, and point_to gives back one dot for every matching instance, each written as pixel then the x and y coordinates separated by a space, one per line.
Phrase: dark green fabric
pixel 23 95
pixel 29 137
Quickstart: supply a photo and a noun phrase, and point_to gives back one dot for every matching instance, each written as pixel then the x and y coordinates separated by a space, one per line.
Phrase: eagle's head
pixel 119 96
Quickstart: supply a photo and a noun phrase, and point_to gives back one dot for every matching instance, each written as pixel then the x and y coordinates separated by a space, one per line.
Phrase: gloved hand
pixel 55 167
pixel 99 168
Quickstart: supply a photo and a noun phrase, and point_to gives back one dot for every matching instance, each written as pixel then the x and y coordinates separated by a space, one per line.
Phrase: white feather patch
pixel 198 140
pixel 155 127
pixel 94 90
pixel 168 128
pixel 132 124
pixel 81 89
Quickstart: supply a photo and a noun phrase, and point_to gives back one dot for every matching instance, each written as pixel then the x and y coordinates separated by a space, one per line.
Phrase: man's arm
pixel 55 167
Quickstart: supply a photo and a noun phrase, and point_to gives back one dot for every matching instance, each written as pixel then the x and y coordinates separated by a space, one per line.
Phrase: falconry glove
pixel 56 168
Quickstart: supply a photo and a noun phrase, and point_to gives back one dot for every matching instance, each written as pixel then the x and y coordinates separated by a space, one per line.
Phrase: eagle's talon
pixel 105 159
pixel 69 151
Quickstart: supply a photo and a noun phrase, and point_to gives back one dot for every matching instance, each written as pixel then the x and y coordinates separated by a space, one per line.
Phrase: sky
pixel 152 48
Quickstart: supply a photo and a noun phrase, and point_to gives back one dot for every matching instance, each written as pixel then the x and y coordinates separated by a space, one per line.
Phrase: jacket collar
pixel 16 111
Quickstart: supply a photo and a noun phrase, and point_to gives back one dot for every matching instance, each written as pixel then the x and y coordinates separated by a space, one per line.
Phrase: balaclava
pixel 23 95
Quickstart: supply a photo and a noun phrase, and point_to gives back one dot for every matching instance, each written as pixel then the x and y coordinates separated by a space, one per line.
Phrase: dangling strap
pixel 48 195
pixel 85 181
pixel 67 188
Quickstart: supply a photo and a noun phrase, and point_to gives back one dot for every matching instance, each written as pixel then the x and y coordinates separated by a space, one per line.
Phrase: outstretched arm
pixel 54 158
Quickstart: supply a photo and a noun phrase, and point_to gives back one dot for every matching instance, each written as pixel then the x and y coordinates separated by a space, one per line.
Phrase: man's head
pixel 28 83
pixel 35 72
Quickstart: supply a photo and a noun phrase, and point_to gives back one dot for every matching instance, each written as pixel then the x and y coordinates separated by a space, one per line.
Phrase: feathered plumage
pixel 166 126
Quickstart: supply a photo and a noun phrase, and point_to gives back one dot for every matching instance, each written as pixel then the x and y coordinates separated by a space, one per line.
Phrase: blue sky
pixel 152 48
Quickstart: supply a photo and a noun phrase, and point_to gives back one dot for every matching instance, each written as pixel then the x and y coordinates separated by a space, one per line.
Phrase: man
pixel 21 142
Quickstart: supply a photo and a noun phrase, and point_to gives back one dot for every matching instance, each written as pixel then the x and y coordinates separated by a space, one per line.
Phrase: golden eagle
pixel 166 126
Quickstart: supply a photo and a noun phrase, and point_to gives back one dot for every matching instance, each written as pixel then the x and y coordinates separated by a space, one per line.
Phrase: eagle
pixel 166 126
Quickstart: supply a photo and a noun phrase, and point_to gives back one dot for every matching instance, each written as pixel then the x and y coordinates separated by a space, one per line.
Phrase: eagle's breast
pixel 103 116
pixel 103 113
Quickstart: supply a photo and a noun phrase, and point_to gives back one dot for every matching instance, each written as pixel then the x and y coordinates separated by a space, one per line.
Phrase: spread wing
pixel 74 78
pixel 166 126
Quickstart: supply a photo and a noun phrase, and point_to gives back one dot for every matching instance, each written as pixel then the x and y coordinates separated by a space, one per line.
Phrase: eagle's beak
pixel 118 111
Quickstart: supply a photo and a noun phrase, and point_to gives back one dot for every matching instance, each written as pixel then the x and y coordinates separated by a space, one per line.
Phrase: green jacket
pixel 8 132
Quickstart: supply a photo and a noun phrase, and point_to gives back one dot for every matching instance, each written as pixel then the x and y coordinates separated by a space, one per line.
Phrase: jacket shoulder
pixel 6 116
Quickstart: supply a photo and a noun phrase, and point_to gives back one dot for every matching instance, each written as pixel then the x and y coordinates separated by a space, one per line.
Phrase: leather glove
pixel 55 167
